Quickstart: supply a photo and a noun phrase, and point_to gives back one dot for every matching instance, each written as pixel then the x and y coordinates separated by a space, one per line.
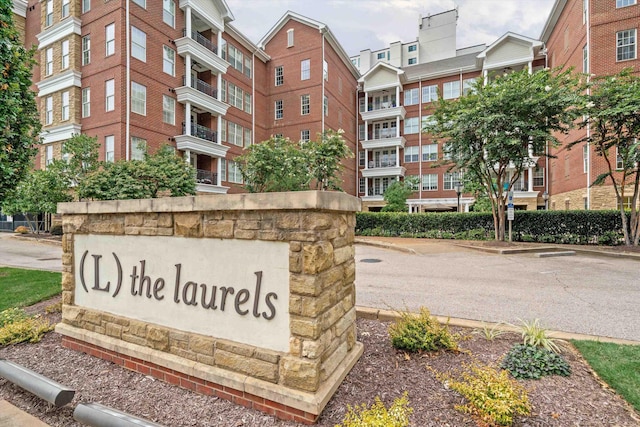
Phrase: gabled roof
pixel 465 61
pixel 248 44
pixel 323 28
pixel 400 73
pixel 507 37
pixel 226 12
pixel 552 20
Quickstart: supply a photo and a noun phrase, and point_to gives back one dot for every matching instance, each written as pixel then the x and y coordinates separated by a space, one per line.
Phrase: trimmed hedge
pixel 569 227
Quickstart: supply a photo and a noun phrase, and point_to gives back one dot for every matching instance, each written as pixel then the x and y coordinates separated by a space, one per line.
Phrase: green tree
pixel 159 174
pixel 79 159
pixel 39 192
pixel 19 120
pixel 613 113
pixel 397 193
pixel 280 164
pixel 498 127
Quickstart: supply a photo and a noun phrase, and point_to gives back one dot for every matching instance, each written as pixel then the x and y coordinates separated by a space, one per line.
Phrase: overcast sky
pixel 373 24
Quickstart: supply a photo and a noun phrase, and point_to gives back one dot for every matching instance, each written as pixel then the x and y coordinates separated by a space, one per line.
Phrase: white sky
pixel 373 24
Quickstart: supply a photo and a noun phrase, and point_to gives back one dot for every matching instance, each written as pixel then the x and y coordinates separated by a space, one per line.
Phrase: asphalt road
pixel 28 254
pixel 580 294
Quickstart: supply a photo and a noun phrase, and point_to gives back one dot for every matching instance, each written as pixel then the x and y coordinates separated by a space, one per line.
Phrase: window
pixel 325 70
pixel 585 59
pixel 362 103
pixel 362 132
pixel 223 91
pixel 86 6
pixel 247 103
pixel 247 67
pixel 138 148
pixel 429 93
pixel 48 19
pixel 411 125
pixel 109 95
pixel 109 143
pixel 585 158
pixel 361 185
pixel 64 101
pixel 65 54
pixel 247 137
pixel 427 121
pixel 538 177
pixel 381 55
pixel 305 69
pixel 279 76
pixel 169 12
pixel 279 110
pixel 304 105
pixel 290 37
pixel 411 96
pixel 468 86
pixel 451 179
pixel 233 169
pixel 48 115
pixel 325 105
pixel 235 95
pixel 411 154
pixel 48 155
pixel 413 48
pixel 451 90
pixel 48 70
pixel 223 170
pixel 619 161
pixel 168 110
pixel 584 11
pixel 138 44
pixel 235 134
pixel 141 3
pixel 430 182
pixel 86 102
pixel 626 45
pixel 304 135
pixel 223 132
pixel 235 57
pixel 624 3
pixel 430 152
pixel 413 61
pixel 138 98
pixel 65 8
pixel 223 49
pixel 86 49
pixel 168 60
pixel 110 37
pixel 362 159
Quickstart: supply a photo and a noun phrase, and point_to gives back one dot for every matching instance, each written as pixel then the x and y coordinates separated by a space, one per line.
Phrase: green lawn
pixel 618 365
pixel 20 288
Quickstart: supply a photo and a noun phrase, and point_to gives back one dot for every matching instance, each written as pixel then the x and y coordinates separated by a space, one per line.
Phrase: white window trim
pixel 86 102
pixel 290 37
pixel 139 95
pixel 635 45
pixel 110 43
pixel 140 45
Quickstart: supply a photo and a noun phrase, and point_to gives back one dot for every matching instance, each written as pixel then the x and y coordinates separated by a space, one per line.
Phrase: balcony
pixel 201 95
pixel 204 53
pixel 385 138
pixel 380 168
pixel 384 110
pixel 207 182
pixel 200 140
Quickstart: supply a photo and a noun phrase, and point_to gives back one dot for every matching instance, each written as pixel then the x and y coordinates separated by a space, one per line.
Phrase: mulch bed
pixel 578 400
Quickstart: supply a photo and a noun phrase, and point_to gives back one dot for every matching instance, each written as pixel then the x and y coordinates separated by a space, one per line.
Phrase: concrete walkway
pixel 10 416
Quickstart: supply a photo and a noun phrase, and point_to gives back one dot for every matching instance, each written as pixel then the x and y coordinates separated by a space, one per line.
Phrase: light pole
pixel 458 189
pixel 545 197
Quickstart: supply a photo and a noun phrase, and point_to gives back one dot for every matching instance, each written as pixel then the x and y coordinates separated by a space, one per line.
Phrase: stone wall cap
pixel 313 200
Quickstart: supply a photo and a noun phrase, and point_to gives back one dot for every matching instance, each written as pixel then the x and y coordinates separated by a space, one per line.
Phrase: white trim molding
pixel 60 133
pixel 58 82
pixel 59 31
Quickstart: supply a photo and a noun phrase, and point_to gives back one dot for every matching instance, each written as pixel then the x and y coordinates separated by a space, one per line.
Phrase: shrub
pixel 493 397
pixel 11 315
pixel 30 329
pixel 22 229
pixel 530 362
pixel 56 230
pixel 534 334
pixel 421 332
pixel 54 308
pixel 378 416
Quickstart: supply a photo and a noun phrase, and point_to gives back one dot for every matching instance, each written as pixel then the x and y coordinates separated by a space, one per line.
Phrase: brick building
pixel 193 81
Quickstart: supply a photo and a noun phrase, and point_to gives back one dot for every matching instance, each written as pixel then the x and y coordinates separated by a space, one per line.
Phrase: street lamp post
pixel 545 197
pixel 458 189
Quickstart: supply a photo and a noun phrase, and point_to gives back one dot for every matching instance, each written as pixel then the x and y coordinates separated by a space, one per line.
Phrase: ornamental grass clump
pixel 421 332
pixel 378 415
pixel 534 334
pixel 493 397
pixel 530 362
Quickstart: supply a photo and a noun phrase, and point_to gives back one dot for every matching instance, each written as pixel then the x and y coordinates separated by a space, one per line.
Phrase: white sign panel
pixel 510 214
pixel 231 289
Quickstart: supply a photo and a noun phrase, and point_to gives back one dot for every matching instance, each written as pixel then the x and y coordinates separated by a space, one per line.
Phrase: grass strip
pixel 21 288
pixel 618 365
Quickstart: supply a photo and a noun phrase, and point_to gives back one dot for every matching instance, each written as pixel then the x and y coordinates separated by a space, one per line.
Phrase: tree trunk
pixel 625 226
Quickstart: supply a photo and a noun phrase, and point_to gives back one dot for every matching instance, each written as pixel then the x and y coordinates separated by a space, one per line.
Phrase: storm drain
pixel 371 260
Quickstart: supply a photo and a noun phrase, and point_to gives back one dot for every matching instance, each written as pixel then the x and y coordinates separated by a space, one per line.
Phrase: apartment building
pixel 139 73
pixel 597 37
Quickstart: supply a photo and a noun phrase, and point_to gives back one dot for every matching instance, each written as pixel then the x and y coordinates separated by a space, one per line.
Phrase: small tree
pixel 39 192
pixel 498 127
pixel 163 172
pixel 614 119
pixel 19 120
pixel 79 158
pixel 325 156
pixel 397 193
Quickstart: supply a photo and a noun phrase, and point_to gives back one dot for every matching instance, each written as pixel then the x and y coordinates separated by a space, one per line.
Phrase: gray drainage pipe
pixel 35 383
pixel 97 415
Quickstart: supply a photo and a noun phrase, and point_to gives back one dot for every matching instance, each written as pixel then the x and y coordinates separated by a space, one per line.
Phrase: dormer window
pixel 290 37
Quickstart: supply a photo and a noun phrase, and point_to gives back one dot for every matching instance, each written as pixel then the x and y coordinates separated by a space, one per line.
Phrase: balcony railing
pixel 202 40
pixel 206 177
pixel 382 106
pixel 375 192
pixel 384 133
pixel 201 86
pixel 200 131
pixel 520 186
pixel 382 164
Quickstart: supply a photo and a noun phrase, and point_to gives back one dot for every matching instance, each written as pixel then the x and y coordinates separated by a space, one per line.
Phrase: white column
pixel 366 158
pixel 187 14
pixel 398 157
pixel 187 156
pixel 530 67
pixel 485 74
pixel 366 101
pixel 397 95
pixel 219 173
pixel 530 179
pixel 187 118
pixel 366 130
pixel 220 45
pixel 219 88
pixel 366 187
pixel 218 130
pixel 397 126
pixel 187 70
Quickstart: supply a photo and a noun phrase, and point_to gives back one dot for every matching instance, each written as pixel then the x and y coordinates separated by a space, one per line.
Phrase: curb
pixel 34 240
pixel 390 316
pixel 385 245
